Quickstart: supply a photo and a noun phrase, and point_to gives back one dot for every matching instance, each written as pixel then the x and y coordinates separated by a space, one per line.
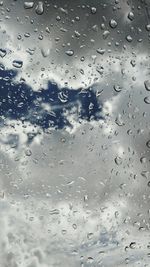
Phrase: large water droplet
pixel 39 8
pixel 69 52
pixel 45 52
pixel 28 5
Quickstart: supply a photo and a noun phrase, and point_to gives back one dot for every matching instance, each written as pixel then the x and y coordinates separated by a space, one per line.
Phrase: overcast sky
pixel 75 79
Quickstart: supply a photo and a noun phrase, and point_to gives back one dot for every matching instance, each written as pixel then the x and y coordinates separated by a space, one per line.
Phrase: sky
pixel 74 132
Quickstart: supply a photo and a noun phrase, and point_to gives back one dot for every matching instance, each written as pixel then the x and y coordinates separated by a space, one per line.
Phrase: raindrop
pixel 89 236
pixel 147 27
pixel 131 16
pixel 28 152
pixel 45 52
pixel 69 52
pixel 63 97
pixel 148 144
pixel 147 99
pixel 28 5
pixel 148 184
pixel 100 51
pixel 147 85
pixel 93 10
pixel 17 64
pixel 105 34
pixel 119 120
pixel 117 88
pixel 133 63
pixel 132 245
pixel 129 38
pixel 118 160
pixel 39 8
pixel 54 212
pixel 113 24
pixel 143 160
pixel 2 52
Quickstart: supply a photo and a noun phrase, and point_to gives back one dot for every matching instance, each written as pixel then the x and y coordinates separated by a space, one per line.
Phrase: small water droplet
pixel 45 52
pixel 93 10
pixel 147 27
pixel 148 144
pixel 100 51
pixel 113 24
pixel 147 85
pixel 2 52
pixel 17 64
pixel 117 88
pixel 118 160
pixel 28 152
pixel 131 16
pixel 54 212
pixel 105 34
pixel 129 38
pixel 119 121
pixel 143 160
pixel 147 99
pixel 133 63
pixel 132 245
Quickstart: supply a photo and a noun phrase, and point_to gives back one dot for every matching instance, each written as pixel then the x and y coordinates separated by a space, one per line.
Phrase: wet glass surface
pixel 74 133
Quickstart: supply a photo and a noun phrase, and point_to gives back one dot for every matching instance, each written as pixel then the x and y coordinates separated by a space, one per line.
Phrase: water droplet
pixel 54 212
pixel 129 38
pixel 147 85
pixel 132 245
pixel 119 121
pixel 69 52
pixel 143 160
pixel 28 152
pixel 39 8
pixel 113 24
pixel 105 34
pixel 117 88
pixel 147 99
pixel 2 52
pixel 131 16
pixel 93 10
pixel 45 52
pixel 28 5
pixel 63 97
pixel 133 63
pixel 118 160
pixel 148 144
pixel 100 51
pixel 147 27
pixel 89 236
pixel 17 64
